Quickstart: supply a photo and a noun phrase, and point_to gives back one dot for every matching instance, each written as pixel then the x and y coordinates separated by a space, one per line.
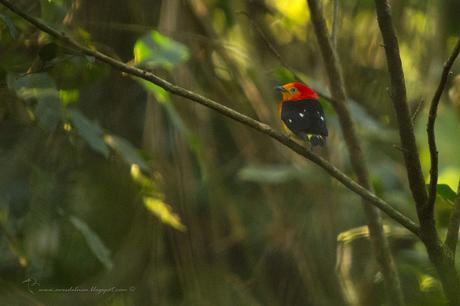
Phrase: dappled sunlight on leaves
pixel 69 96
pixel 155 50
pixel 295 11
pixel 429 283
pixel 450 177
pixel 161 95
pixel 153 199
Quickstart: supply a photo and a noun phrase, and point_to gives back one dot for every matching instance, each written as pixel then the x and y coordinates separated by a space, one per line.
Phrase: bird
pixel 302 113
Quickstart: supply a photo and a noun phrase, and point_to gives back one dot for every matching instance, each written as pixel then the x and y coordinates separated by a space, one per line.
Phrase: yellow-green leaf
pixel 164 212
pixel 129 153
pixel 155 50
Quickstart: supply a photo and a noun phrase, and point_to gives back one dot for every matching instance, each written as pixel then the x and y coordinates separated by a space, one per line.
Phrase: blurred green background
pixel 113 192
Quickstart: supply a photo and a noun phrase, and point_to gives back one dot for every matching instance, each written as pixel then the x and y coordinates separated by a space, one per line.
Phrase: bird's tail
pixel 318 140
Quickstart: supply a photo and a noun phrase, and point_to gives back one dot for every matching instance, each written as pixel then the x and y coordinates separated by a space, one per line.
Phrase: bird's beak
pixel 280 89
pixel 283 92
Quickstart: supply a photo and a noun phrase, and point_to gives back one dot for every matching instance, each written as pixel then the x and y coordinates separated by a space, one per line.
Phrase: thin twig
pixel 269 45
pixel 267 42
pixel 398 148
pixel 417 110
pixel 454 223
pixel 278 56
pixel 230 113
pixel 431 122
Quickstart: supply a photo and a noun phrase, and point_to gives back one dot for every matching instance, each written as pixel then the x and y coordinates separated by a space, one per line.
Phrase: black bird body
pixel 302 113
pixel 304 117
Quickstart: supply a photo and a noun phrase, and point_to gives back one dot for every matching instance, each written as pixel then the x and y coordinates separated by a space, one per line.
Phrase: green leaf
pixel 10 25
pixel 91 132
pixel 273 174
pixel 49 112
pixel 150 187
pixel 161 95
pixel 155 50
pixel 69 96
pixel 93 241
pixel 153 199
pixel 446 192
pixel 42 88
pixel 164 212
pixel 129 153
pixel 283 75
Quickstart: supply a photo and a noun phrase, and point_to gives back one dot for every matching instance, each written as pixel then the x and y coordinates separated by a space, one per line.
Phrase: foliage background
pixel 91 159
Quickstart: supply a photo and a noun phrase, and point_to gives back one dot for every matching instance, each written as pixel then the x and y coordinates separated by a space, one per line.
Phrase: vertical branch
pixel 335 21
pixel 399 99
pixel 337 84
pixel 441 259
pixel 431 122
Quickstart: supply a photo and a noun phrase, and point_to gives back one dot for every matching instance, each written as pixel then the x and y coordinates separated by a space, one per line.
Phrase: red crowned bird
pixel 302 113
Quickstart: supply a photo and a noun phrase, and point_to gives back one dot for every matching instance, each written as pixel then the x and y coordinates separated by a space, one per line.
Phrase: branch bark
pixel 399 99
pixel 430 126
pixel 335 22
pixel 339 95
pixel 439 256
pixel 228 112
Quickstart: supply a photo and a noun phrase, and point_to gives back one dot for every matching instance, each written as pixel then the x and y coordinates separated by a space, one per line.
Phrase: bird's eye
pixel 293 90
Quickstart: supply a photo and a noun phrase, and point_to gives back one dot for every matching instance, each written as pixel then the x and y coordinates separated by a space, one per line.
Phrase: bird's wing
pixel 304 116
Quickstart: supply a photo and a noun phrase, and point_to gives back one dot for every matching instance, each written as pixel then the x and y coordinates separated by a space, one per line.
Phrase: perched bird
pixel 302 114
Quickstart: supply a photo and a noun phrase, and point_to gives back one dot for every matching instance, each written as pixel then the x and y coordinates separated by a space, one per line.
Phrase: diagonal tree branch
pixel 337 84
pixel 430 126
pixel 228 112
pixel 454 223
